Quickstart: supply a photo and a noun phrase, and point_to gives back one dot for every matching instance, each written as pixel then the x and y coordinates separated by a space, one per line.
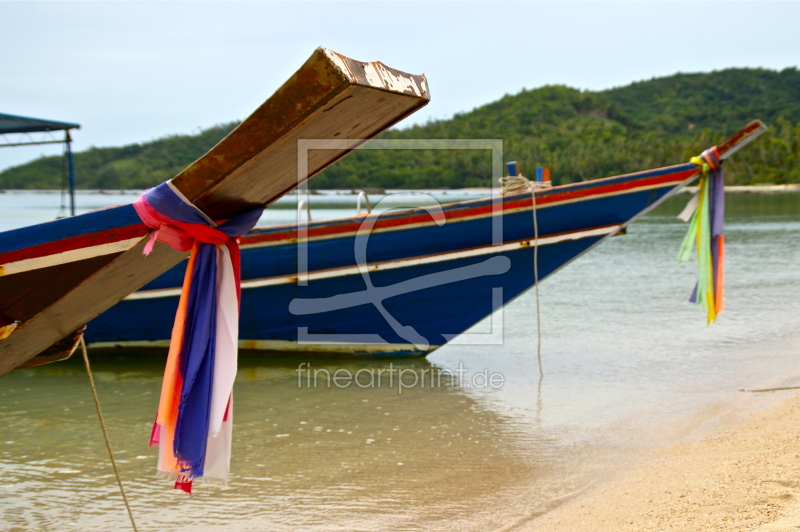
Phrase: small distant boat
pixel 405 283
pixel 56 276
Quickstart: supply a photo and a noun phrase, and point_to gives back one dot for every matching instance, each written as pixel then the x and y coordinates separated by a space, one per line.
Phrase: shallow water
pixel 628 365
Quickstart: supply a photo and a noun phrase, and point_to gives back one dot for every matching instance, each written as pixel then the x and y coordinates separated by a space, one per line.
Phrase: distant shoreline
pixel 755 189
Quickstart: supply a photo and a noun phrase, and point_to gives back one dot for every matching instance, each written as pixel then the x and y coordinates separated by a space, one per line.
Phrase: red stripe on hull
pixel 674 178
pixel 76 242
pixel 546 197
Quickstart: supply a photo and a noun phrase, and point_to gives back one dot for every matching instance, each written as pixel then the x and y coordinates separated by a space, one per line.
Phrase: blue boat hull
pixel 399 284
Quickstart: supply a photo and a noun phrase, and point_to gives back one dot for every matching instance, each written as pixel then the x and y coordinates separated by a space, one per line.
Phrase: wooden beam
pixel 329 97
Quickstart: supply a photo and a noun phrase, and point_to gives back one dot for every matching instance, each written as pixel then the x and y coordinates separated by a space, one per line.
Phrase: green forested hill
pixel 720 100
pixel 577 134
pixel 135 166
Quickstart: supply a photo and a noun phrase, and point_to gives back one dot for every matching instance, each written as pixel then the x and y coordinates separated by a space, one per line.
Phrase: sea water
pixel 470 438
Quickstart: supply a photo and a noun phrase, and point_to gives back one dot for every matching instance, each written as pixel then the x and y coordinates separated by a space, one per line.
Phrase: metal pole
pixel 70 173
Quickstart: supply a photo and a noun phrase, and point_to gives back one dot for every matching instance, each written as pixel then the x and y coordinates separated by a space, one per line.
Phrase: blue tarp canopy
pixel 21 127
pixel 24 124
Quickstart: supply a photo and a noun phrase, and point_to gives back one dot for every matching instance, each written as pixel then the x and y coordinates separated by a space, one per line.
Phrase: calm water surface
pixel 628 365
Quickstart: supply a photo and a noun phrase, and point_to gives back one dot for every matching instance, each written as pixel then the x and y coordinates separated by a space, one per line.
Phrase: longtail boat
pixel 56 276
pixel 405 283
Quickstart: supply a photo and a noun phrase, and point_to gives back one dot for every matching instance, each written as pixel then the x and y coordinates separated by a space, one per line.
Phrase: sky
pixel 136 71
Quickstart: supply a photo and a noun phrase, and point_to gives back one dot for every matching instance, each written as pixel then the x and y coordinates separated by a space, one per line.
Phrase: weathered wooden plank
pixel 741 138
pixel 329 97
pixel 230 177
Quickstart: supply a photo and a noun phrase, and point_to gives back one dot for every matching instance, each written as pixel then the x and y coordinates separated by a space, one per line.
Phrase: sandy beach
pixel 743 473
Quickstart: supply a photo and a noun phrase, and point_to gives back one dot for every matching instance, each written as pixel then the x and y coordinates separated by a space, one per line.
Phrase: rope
pixel 536 280
pixel 517 184
pixel 105 432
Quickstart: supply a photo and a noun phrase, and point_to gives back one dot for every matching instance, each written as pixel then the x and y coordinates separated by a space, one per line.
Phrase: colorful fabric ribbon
pixel 706 234
pixel 193 424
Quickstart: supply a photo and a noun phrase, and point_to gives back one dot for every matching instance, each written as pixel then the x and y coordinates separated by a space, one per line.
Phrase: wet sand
pixel 741 474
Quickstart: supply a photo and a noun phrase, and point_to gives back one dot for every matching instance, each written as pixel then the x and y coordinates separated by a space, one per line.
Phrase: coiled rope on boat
pixel 514 184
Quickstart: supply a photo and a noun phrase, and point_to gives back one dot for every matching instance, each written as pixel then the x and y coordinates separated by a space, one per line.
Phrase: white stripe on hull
pixel 73 255
pixel 393 264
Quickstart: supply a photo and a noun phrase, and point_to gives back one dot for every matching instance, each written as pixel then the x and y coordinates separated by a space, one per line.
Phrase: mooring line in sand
pixel 771 389
pixel 531 515
pixel 105 432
